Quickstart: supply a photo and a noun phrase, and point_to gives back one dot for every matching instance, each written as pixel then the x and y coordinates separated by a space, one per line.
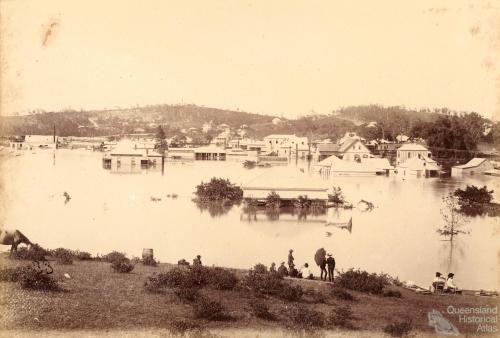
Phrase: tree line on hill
pixel 441 128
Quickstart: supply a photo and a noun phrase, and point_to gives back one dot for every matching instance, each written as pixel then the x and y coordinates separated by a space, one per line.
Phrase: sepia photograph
pixel 249 168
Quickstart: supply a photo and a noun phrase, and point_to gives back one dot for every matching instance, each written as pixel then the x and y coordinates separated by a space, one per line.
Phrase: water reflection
pixel 214 208
pixel 284 214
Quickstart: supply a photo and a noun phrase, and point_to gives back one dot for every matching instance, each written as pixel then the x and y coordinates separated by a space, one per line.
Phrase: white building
pixel 353 150
pixel 419 167
pixel 275 141
pixel 40 141
pixel 297 147
pixel 474 166
pixel 412 150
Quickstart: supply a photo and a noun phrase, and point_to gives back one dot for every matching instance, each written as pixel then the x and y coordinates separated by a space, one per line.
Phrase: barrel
pixel 147 253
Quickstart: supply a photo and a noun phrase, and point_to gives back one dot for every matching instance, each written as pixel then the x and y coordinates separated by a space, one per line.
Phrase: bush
pixel 154 283
pixel 317 297
pixel 290 292
pixel 221 279
pixel 266 283
pixel 123 266
pixel 260 310
pixel 300 317
pixel 263 283
pixel 113 256
pixel 180 327
pixel 472 199
pixel 83 255
pixel 205 308
pixel 35 253
pixel 399 329
pixel 29 278
pixel 10 274
pixel 187 294
pixel 392 293
pixel 63 256
pixel 260 268
pixel 342 294
pixel 219 189
pixel 341 316
pixel 150 261
pixel 273 201
pixel 361 281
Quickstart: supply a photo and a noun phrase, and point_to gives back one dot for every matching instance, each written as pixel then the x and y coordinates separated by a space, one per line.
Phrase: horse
pixel 13 238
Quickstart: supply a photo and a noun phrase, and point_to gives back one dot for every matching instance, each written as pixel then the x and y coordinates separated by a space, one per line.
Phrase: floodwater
pixel 114 211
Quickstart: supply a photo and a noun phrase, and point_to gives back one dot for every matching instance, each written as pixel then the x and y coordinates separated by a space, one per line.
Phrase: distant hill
pixel 120 121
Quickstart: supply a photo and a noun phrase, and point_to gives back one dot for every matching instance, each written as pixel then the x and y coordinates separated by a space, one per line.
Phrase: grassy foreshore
pixel 95 300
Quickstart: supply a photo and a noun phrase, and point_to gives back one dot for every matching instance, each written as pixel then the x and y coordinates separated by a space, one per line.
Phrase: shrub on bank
pixel 303 318
pixel 30 278
pixel 113 256
pixel 221 279
pixel 341 316
pixel 181 326
pixel 63 256
pixel 361 281
pixel 392 293
pixel 267 283
pixel 83 255
pixel 193 277
pixel 35 253
pixel 150 261
pixel 399 329
pixel 205 308
pixel 260 310
pixel 342 294
pixel 187 294
pixel 10 274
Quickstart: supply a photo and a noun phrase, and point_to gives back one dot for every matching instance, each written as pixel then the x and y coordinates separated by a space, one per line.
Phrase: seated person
pixel 282 270
pixel 305 272
pixel 450 286
pixel 438 282
pixel 294 273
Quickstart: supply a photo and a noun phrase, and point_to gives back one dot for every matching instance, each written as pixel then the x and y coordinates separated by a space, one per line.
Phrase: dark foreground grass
pixel 95 297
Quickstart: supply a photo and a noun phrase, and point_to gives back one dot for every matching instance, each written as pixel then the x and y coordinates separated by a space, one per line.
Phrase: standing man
pixel 197 261
pixel 330 262
pixel 291 266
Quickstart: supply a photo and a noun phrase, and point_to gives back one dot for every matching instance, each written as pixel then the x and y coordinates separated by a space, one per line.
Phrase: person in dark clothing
pixel 272 269
pixel 282 270
pixel 197 260
pixel 290 260
pixel 330 262
pixel 322 266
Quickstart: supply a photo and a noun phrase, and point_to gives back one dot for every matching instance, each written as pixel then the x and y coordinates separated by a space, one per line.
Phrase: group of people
pixel 326 264
pixel 447 285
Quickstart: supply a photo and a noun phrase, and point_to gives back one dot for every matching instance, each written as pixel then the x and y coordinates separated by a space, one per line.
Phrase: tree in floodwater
pixel 336 197
pixel 453 222
pixel 161 140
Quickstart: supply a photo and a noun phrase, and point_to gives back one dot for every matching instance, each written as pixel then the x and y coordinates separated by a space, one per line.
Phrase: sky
pixel 273 57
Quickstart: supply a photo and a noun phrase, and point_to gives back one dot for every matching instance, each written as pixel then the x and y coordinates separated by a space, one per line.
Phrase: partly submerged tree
pixel 473 200
pixel 453 219
pixel 454 222
pixel 336 197
pixel 273 201
pixel 161 140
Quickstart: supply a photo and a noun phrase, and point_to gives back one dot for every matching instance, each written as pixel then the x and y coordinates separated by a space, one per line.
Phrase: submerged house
pixel 365 167
pixel 210 153
pixel 474 166
pixel 412 150
pixel 126 155
pixel 419 167
pixel 287 186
